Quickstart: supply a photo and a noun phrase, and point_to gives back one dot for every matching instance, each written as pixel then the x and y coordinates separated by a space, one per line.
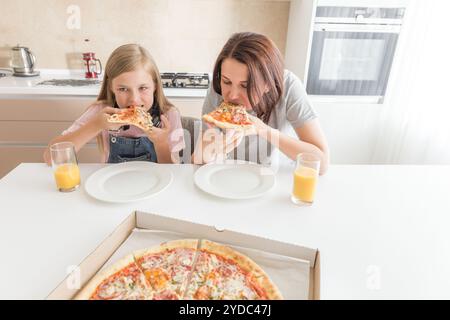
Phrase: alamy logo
pixel 74 20
pixel 373 281
pixel 74 277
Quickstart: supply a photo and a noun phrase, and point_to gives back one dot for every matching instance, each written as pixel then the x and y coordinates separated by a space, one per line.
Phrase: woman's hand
pixel 259 127
pixel 217 144
pixel 160 135
pixel 100 120
pixel 231 139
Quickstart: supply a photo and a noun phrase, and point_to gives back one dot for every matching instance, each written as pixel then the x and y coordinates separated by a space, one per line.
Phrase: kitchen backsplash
pixel 182 35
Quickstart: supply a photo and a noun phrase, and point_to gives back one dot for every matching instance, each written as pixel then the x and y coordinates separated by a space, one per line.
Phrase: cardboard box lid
pixel 68 288
pixel 153 221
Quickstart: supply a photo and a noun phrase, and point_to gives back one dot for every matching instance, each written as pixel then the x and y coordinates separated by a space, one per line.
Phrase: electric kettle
pixel 23 62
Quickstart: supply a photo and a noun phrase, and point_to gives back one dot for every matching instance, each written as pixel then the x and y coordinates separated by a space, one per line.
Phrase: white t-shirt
pixel 291 112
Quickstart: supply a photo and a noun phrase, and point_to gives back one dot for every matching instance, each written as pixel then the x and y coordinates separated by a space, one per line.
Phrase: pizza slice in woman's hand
pixel 229 116
pixel 134 115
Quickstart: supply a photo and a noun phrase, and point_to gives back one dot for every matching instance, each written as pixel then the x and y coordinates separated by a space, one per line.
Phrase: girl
pixel 131 78
pixel 249 71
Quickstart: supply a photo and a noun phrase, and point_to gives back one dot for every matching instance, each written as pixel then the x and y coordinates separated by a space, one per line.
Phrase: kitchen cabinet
pixel 188 107
pixel 28 124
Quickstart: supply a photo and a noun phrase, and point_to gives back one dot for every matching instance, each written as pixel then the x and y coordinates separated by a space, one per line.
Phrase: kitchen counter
pixel 382 231
pixel 25 87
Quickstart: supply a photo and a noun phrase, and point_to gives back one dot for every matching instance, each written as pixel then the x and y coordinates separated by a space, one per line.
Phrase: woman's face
pixel 134 88
pixel 233 82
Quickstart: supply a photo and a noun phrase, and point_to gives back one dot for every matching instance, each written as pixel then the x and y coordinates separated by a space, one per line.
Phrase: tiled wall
pixel 182 35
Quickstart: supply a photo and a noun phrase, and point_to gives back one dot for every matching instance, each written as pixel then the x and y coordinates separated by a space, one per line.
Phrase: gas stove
pixel 185 80
pixel 70 82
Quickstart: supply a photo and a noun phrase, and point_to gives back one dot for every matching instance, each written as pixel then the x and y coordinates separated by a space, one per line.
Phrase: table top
pixel 382 230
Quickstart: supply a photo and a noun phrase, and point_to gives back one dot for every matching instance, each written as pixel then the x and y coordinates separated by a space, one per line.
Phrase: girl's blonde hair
pixel 126 58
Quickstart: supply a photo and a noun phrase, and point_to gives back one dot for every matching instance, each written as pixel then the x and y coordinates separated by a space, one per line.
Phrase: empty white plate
pixel 231 180
pixel 128 181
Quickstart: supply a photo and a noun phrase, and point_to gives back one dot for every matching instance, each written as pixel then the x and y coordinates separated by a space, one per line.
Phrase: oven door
pixel 351 60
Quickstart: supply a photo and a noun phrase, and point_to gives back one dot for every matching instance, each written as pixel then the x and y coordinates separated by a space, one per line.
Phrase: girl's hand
pixel 160 135
pixel 100 120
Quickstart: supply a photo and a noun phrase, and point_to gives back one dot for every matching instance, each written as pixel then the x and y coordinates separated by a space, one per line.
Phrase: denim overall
pixel 122 149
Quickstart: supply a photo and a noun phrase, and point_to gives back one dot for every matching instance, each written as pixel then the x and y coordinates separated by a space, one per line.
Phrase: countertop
pixel 25 87
pixel 382 231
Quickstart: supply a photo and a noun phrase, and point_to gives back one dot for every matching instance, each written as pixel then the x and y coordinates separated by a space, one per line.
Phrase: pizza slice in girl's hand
pixel 136 116
pixel 229 116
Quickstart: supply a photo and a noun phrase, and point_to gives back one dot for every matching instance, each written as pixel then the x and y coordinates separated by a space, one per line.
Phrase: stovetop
pixel 169 80
pixel 69 82
pixel 185 80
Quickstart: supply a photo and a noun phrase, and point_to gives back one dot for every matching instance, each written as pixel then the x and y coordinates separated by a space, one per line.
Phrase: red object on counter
pixel 91 64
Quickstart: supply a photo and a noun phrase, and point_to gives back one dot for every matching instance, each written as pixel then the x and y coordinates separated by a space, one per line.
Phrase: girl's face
pixel 233 82
pixel 134 88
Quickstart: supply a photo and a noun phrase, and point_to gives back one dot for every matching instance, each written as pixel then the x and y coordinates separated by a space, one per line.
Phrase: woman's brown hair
pixel 265 68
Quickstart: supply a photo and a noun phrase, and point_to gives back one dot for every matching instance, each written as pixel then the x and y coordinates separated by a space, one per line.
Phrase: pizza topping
pixel 229 114
pixel 202 293
pixel 168 270
pixel 166 295
pixel 210 272
pixel 133 115
pixel 108 292
pixel 125 284
pixel 157 278
pixel 222 279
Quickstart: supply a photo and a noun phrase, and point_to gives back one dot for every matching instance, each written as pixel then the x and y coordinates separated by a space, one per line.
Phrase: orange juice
pixel 305 180
pixel 67 176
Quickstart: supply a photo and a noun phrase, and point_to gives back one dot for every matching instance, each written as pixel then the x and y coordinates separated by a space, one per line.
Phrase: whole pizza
pixel 229 116
pixel 182 269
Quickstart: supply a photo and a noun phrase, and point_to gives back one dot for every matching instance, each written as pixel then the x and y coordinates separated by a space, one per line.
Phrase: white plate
pixel 231 180
pixel 128 181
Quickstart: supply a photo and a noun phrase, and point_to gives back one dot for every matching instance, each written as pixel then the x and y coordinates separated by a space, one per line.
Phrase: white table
pixel 383 231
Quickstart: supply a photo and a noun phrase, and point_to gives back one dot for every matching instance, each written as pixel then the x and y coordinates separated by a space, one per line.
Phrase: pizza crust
pixel 226 125
pixel 88 291
pixel 115 118
pixel 247 265
pixel 175 244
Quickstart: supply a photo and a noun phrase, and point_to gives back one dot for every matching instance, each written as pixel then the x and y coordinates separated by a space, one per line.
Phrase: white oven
pixel 352 50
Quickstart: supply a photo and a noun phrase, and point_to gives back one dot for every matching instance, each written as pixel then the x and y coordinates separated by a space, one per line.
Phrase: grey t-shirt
pixel 294 108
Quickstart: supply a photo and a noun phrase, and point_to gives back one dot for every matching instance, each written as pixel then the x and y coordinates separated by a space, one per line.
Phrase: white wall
pixel 351 130
pixel 299 36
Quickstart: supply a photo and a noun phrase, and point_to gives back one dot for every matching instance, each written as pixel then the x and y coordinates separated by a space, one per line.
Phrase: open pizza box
pixel 294 269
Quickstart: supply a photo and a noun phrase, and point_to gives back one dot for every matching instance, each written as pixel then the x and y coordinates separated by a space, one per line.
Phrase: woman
pixel 249 71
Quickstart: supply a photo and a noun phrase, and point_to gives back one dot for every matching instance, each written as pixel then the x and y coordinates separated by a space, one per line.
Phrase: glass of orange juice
pixel 65 166
pixel 306 174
